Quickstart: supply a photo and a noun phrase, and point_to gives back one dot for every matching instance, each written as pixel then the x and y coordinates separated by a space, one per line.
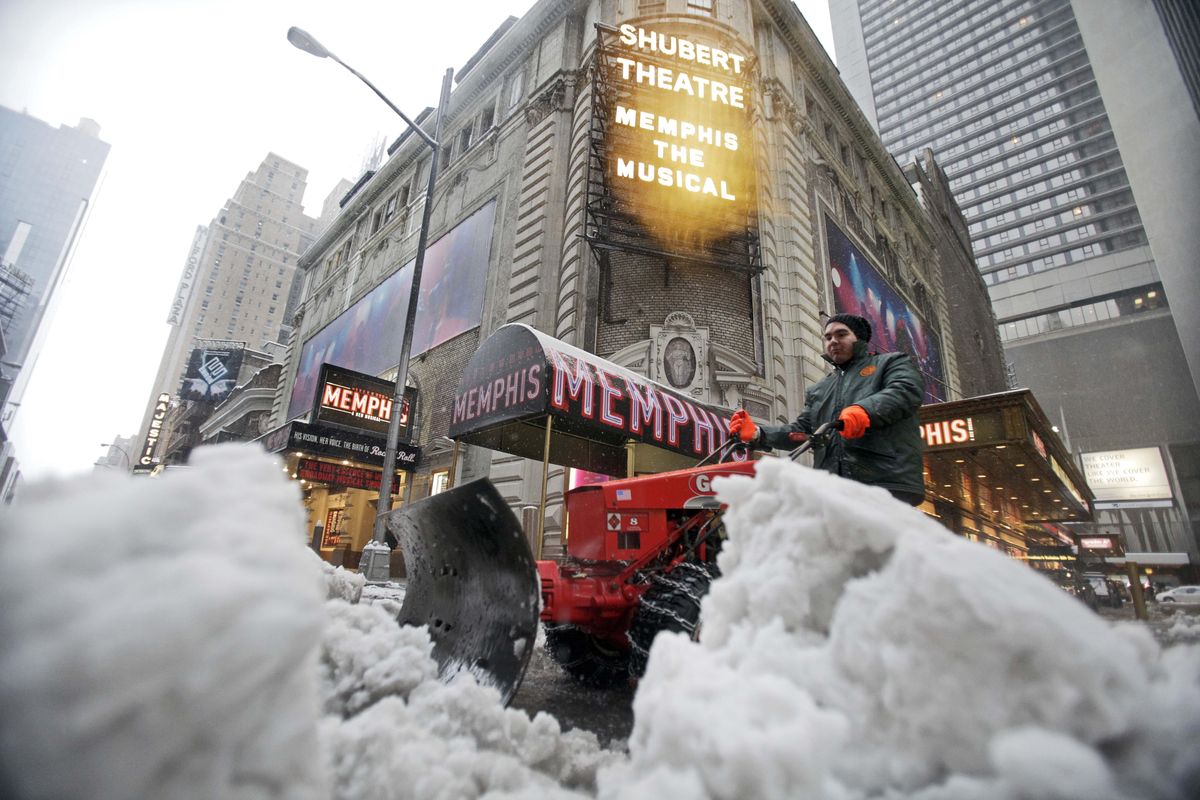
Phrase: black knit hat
pixel 857 325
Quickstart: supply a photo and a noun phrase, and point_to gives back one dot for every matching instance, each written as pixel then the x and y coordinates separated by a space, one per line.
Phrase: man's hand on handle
pixel 741 426
pixel 855 421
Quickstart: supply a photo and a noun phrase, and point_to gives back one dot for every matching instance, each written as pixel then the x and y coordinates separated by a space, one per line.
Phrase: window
pixel 390 210
pixel 486 119
pixel 439 482
pixel 464 140
pixel 705 8
pixel 517 89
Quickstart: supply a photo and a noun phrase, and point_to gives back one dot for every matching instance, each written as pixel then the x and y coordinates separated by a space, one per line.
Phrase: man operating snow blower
pixel 874 396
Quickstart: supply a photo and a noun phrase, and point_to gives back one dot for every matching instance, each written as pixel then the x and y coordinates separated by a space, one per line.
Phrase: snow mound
pixel 145 652
pixel 855 648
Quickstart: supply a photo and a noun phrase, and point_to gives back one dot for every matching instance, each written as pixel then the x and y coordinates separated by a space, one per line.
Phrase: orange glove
pixel 741 426
pixel 856 420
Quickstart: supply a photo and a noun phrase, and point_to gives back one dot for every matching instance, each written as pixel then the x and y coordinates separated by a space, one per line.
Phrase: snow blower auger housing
pixel 472 580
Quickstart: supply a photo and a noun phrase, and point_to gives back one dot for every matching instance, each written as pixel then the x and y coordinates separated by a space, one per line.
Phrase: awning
pixel 521 381
pixel 997 454
pixel 1152 559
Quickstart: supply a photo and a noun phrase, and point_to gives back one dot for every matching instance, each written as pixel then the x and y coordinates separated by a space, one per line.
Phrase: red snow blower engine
pixel 641 553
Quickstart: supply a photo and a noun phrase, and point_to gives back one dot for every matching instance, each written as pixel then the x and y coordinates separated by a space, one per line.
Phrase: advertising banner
pixel 212 372
pixel 1133 477
pixel 355 400
pixel 366 337
pixel 858 288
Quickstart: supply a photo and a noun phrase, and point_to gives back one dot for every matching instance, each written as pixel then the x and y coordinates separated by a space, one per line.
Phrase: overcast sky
pixel 192 95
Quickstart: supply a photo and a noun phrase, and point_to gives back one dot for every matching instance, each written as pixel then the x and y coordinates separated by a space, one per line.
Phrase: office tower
pixel 47 179
pixel 1079 184
pixel 237 289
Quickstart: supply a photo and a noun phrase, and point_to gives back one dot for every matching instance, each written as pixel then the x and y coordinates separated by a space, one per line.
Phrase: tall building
pixel 237 289
pixel 48 177
pixel 1069 134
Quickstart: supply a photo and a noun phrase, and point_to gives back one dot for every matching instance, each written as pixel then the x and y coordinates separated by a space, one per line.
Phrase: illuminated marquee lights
pixel 156 421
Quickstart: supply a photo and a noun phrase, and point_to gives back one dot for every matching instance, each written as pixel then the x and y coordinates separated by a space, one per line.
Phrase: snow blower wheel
pixel 585 658
pixel 672 603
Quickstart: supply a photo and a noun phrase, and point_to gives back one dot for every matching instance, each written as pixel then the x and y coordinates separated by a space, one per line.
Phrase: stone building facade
pixel 524 139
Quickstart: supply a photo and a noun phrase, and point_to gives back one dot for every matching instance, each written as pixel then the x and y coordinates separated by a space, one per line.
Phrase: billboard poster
pixel 212 372
pixel 366 337
pixel 1127 477
pixel 859 289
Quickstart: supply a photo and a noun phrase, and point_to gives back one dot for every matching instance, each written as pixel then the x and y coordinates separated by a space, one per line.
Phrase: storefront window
pixel 441 481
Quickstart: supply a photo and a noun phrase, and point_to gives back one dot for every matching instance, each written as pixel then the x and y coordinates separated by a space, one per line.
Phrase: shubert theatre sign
pixel 678 131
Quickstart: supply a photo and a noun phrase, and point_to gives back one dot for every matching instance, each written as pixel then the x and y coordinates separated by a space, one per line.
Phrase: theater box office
pixel 337 459
pixel 996 472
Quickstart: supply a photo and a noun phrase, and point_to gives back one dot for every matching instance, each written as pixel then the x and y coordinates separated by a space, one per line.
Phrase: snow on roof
pixel 175 638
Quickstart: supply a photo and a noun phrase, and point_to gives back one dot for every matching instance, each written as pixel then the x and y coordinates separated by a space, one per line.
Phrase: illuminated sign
pixel 958 431
pixel 1096 543
pixel 1127 476
pixel 355 400
pixel 678 133
pixel 310 469
pixel 161 406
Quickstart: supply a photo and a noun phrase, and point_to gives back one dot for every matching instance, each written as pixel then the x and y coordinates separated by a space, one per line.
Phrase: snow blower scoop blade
pixel 472 579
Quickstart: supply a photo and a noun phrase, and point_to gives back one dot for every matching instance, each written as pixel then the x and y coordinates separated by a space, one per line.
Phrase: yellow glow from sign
pixel 678 136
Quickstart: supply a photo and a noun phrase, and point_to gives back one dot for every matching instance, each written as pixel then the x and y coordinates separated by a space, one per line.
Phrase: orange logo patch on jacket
pixel 868 370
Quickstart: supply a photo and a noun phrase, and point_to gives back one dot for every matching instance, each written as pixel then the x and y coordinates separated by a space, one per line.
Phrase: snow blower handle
pixel 821 436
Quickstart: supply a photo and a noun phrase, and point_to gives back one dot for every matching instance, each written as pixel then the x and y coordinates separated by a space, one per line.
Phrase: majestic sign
pixel 324 440
pixel 1127 476
pixel 161 406
pixel 310 469
pixel 679 132
pixel 359 401
pixel 212 372
pixel 520 373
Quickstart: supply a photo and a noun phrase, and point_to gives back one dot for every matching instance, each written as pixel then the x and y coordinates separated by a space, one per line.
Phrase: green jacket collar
pixel 860 352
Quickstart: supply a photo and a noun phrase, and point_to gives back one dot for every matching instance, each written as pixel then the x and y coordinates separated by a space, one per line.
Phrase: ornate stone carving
pixel 557 97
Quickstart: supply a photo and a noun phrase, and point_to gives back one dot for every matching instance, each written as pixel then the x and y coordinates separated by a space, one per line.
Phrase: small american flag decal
pixel 624 494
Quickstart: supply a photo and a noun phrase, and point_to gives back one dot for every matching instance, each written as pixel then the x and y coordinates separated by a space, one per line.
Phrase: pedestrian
pixel 875 396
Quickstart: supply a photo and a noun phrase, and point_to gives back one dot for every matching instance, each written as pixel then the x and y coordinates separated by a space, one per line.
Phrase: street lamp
pixel 376 558
pixel 128 460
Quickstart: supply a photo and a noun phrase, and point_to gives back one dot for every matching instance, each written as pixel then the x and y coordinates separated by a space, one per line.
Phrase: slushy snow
pixel 175 638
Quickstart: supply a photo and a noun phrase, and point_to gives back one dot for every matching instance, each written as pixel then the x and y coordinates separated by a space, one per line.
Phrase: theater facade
pixel 680 188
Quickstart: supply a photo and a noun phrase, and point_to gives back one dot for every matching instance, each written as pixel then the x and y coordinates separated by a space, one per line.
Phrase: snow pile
pixel 145 652
pixel 174 638
pixel 854 648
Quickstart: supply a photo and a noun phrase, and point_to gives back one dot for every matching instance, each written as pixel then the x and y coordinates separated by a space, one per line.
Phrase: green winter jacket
pixel 889 387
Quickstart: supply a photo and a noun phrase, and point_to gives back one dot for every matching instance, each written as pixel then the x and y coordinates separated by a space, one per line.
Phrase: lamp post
pixel 375 562
pixel 128 460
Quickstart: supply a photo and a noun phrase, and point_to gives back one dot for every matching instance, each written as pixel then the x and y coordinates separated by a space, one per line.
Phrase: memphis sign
pixel 356 400
pixel 679 131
